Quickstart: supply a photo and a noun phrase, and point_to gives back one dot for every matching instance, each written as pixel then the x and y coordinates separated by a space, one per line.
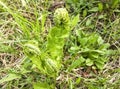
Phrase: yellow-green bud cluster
pixel 61 16
pixel 31 48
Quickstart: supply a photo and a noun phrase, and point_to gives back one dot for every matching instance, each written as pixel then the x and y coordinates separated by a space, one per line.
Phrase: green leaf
pixel 94 9
pixel 100 6
pixel 92 40
pixel 104 46
pixel 40 85
pixel 84 13
pixel 101 60
pixel 101 16
pixel 83 41
pixel 94 55
pixel 74 48
pixel 75 21
pixel 9 77
pixel 117 10
pixel 89 62
pixel 88 22
pixel 78 80
pixel 100 40
pixel 99 65
pixel 76 63
pixel 115 3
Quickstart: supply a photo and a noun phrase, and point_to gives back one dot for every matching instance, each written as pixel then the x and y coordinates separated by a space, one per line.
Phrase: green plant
pixel 86 7
pixel 49 60
pixel 91 48
pixel 27 25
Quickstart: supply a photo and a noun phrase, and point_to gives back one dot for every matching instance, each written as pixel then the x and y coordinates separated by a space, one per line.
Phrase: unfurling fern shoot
pixel 49 61
pixel 59 32
pixel 57 35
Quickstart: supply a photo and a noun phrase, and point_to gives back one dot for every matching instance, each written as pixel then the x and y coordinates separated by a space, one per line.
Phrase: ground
pixel 24 20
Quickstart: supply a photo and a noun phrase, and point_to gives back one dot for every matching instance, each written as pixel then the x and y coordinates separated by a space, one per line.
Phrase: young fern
pixel 61 17
pixel 58 33
pixel 49 61
pixel 33 52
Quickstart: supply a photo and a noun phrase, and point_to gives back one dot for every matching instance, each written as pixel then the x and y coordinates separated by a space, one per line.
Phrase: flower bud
pixel 61 17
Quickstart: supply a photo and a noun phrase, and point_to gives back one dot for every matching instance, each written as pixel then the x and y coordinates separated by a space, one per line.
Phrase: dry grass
pixel 12 58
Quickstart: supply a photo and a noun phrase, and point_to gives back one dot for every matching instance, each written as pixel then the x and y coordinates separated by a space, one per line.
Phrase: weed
pixel 70 52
